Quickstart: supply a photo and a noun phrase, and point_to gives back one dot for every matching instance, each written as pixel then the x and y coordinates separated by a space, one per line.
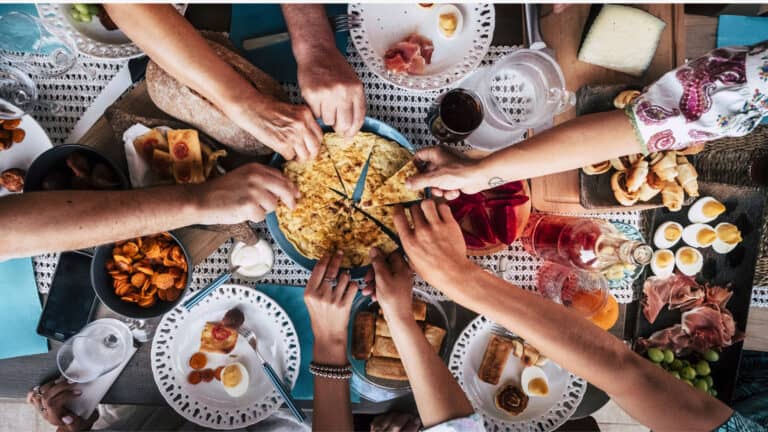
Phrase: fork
pixel 250 337
pixel 339 24
pixel 498 330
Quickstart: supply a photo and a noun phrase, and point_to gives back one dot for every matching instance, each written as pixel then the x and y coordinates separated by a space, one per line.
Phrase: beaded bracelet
pixel 332 372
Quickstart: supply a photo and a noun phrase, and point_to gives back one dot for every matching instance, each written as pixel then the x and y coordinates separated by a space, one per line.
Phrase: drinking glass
pixel 455 115
pixel 25 42
pixel 97 350
pixel 584 292
pixel 18 93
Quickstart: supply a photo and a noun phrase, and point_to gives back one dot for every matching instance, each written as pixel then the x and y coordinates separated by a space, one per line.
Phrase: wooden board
pixel 563 32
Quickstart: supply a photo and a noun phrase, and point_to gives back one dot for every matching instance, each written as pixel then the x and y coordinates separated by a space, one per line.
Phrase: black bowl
pixel 53 158
pixel 102 284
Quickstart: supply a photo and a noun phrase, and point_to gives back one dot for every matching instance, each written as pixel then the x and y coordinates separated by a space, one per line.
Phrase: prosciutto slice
pixel 410 55
pixel 678 291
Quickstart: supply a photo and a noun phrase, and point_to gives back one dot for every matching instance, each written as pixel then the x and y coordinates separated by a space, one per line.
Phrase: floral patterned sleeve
pixel 724 93
pixel 472 423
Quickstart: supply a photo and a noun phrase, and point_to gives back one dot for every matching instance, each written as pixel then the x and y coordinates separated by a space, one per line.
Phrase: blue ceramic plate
pixel 629 278
pixel 370 125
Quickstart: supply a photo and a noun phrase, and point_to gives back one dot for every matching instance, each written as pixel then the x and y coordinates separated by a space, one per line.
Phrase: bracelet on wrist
pixel 332 372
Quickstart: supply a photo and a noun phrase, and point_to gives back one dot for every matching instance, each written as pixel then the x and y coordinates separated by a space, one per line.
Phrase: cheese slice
pixel 622 38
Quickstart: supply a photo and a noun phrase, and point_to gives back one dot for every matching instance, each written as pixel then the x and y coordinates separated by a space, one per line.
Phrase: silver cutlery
pixel 197 297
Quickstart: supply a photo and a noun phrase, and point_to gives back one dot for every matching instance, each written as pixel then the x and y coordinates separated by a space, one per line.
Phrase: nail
pixel 339 252
pixel 77 392
pixel 68 420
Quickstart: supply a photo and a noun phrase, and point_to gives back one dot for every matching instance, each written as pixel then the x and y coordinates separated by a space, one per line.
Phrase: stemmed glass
pixel 25 42
pixel 18 93
pixel 97 350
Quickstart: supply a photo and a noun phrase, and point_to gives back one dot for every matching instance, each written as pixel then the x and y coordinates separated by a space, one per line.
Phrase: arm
pixel 65 220
pixel 439 397
pixel 329 309
pixel 172 42
pixel 645 391
pixel 579 142
pixel 328 84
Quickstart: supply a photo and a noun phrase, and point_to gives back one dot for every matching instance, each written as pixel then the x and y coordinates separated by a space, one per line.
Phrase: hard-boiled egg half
pixel 235 379
pixel 728 237
pixel 699 235
pixel 663 263
pixel 706 209
pixel 449 21
pixel 689 260
pixel 534 381
pixel 667 235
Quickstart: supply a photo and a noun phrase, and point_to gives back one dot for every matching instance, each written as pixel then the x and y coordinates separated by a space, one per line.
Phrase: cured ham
pixel 678 291
pixel 410 55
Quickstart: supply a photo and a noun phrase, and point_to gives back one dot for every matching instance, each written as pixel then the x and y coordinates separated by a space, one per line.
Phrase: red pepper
pixel 481 225
pixel 472 240
pixel 504 223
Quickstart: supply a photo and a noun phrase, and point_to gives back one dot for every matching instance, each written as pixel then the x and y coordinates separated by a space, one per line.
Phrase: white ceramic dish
pixel 207 404
pixel 384 24
pixel 22 154
pixel 542 414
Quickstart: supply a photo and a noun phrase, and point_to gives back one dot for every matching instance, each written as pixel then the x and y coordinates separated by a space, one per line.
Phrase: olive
pixel 656 355
pixel 702 368
pixel 676 365
pixel 701 385
pixel 688 373
pixel 711 356
pixel 669 356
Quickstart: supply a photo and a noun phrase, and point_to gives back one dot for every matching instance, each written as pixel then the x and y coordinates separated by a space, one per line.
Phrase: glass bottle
pixel 581 243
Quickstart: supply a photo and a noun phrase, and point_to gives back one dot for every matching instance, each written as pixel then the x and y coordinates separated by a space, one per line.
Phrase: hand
pixel 247 193
pixel 332 90
pixel 50 399
pixel 435 245
pixel 446 174
pixel 289 129
pixel 390 282
pixel 396 422
pixel 329 309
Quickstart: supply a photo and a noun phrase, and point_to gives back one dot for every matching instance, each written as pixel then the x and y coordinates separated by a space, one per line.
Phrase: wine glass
pixel 18 93
pixel 97 350
pixel 27 43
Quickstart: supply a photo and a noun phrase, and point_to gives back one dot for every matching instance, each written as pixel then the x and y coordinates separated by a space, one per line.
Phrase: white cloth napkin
pixel 139 171
pixel 94 391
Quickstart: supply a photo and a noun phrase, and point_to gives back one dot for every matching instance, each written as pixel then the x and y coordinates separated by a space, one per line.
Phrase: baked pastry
pixel 672 196
pixel 598 168
pixel 184 147
pixel 147 143
pixel 13 179
pixel 434 335
pixel 624 98
pixel 620 190
pixel 386 368
pixel 217 338
pixel 511 399
pixel 363 335
pixel 666 167
pixel 636 175
pixel 647 192
pixel 494 359
pixel 384 347
pixel 687 176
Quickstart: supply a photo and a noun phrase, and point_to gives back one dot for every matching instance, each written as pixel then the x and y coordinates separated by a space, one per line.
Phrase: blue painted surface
pixel 20 310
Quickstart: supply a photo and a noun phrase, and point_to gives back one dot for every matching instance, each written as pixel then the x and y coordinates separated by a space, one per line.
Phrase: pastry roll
pixel 687 176
pixel 495 358
pixel 620 191
pixel 636 175
pixel 184 147
pixel 145 144
pixel 647 192
pixel 387 368
pixel 363 335
pixel 666 168
pixel 434 336
pixel 672 196
pixel 385 347
pixel 382 328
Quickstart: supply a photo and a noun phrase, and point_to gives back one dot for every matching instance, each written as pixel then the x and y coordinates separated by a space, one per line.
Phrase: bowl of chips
pixel 143 277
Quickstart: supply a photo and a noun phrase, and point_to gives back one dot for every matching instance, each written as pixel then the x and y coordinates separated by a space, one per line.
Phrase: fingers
pixel 379 264
pixel 318 273
pixel 300 148
pixel 445 212
pixel 401 222
pixel 358 107
pixel 398 263
pixel 422 180
pixel 60 399
pixel 329 114
pixel 451 194
pixel 419 220
pixel 333 267
pixel 50 394
pixel 429 208
pixel 344 117
pixel 313 137
pixel 337 293
pixel 432 155
pixel 349 294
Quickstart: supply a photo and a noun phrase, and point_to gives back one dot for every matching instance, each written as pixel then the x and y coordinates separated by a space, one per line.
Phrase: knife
pixel 129 75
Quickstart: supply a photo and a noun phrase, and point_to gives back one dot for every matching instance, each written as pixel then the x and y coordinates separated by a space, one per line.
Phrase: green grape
pixel 656 355
pixel 711 356
pixel 669 356
pixel 676 365
pixel 713 392
pixel 675 374
pixel 82 8
pixel 688 373
pixel 74 14
pixel 686 363
pixel 701 385
pixel 689 382
pixel 94 9
pixel 709 380
pixel 702 368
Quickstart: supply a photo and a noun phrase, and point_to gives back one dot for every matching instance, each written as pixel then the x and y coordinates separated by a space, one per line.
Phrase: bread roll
pixel 188 106
pixel 387 368
pixel 363 335
pixel 385 347
pixel 434 335
pixel 495 358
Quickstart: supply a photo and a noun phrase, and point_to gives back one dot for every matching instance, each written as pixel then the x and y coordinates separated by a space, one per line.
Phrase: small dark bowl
pixel 53 158
pixel 102 284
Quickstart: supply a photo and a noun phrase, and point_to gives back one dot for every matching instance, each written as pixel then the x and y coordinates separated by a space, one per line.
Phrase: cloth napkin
pixel 291 298
pixel 93 392
pixel 20 310
pixel 254 20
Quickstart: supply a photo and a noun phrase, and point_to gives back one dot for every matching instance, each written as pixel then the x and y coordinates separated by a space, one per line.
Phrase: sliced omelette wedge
pixel 394 190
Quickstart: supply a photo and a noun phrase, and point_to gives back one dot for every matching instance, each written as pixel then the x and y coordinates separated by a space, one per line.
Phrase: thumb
pixel 424 180
pixel 433 155
pixel 379 264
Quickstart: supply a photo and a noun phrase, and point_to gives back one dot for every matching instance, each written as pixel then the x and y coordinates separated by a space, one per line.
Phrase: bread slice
pixel 363 335
pixel 217 338
pixel 386 368
pixel 495 358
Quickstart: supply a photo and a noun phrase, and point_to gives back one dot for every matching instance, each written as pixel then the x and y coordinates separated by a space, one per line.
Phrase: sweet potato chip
pixel 121 259
pixel 147 301
pixel 130 249
pixel 145 269
pixel 181 282
pixel 163 280
pixel 138 279
pixel 172 294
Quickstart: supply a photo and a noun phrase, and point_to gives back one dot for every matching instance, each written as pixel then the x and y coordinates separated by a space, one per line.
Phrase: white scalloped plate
pixel 542 414
pixel 206 404
pixel 91 39
pixel 384 24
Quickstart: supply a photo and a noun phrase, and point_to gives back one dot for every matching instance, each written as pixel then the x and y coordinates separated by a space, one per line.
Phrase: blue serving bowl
pixel 370 125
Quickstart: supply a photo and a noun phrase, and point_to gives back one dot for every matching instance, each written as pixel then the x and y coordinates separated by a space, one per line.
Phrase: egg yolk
pixel 538 386
pixel 729 234
pixel 448 23
pixel 231 376
pixel 688 256
pixel 664 259
pixel 672 233
pixel 712 209
pixel 706 236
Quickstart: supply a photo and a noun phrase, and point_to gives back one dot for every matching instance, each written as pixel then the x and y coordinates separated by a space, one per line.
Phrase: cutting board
pixel 563 32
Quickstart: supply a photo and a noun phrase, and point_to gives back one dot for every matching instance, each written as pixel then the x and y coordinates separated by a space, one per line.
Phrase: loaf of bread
pixel 387 368
pixel 495 358
pixel 362 335
pixel 189 106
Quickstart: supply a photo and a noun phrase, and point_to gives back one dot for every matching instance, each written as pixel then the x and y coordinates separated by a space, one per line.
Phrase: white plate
pixel 22 154
pixel 542 414
pixel 384 24
pixel 178 337
pixel 91 39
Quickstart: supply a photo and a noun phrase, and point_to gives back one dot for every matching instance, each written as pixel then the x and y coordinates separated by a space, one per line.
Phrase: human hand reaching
pixel 50 400
pixel 390 282
pixel 447 174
